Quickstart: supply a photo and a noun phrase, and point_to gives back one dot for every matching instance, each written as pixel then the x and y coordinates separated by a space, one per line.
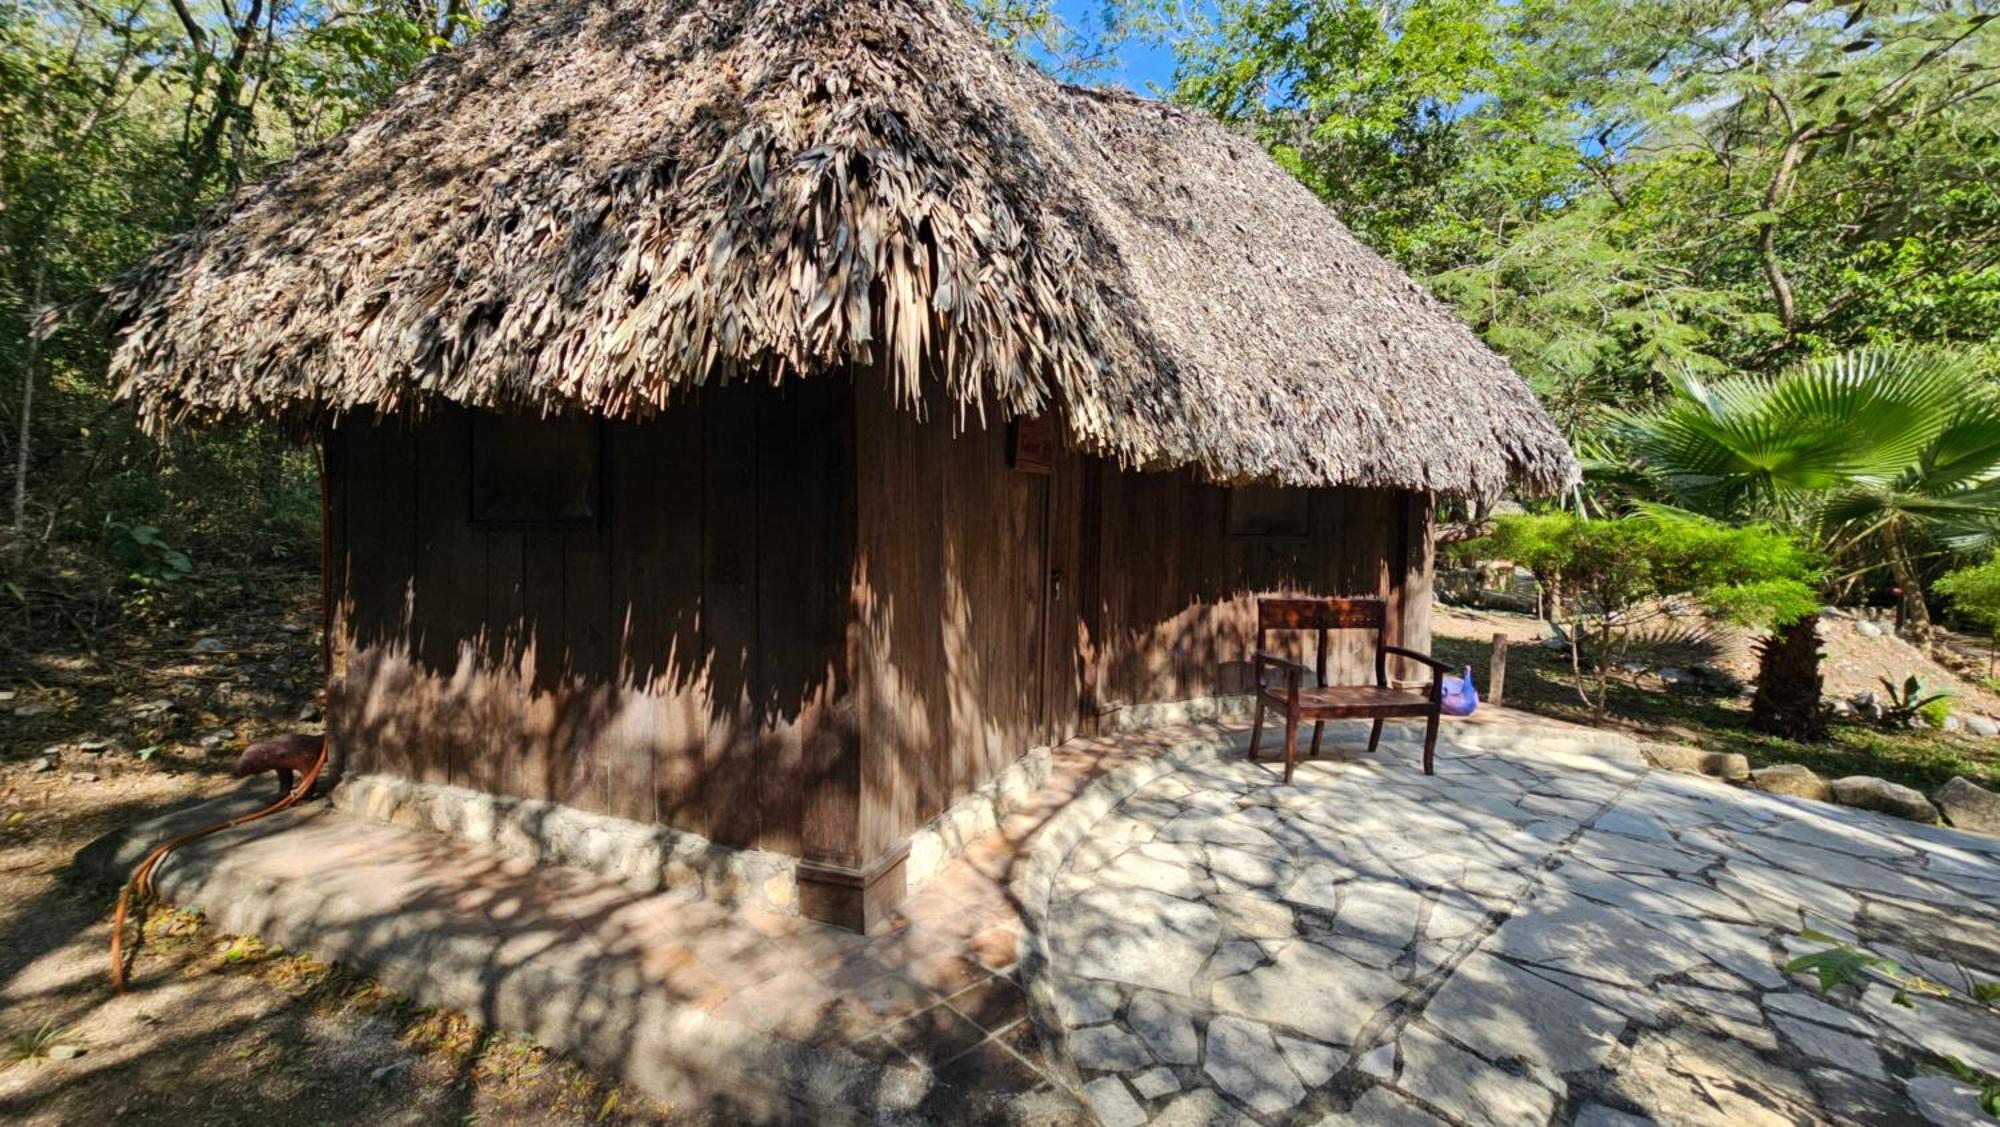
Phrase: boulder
pixel 1694 761
pixel 1981 725
pixel 1866 792
pixel 1867 629
pixel 1969 806
pixel 1795 779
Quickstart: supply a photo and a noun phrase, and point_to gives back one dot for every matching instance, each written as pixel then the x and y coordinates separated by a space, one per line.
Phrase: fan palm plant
pixel 1881 457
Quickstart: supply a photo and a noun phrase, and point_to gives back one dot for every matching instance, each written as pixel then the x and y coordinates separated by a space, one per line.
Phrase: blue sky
pixel 1140 63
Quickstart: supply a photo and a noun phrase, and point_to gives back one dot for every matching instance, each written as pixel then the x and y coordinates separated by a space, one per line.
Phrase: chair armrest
pixel 1265 658
pixel 1438 668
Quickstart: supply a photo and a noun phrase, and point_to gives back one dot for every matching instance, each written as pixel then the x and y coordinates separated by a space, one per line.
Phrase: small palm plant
pixel 1905 703
pixel 1881 457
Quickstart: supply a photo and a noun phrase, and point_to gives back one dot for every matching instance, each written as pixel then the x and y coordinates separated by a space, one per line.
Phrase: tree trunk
pixel 31 361
pixel 1912 613
pixel 1788 683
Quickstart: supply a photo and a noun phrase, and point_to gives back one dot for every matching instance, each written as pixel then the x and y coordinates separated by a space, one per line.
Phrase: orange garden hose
pixel 141 881
pixel 142 877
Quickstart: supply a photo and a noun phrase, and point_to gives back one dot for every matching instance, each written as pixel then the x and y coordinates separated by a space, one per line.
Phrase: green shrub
pixel 1935 712
pixel 1611 575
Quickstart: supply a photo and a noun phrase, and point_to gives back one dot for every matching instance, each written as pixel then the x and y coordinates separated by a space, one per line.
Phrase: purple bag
pixel 1461 696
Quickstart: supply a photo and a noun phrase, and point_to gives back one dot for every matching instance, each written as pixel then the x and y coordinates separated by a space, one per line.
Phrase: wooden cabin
pixel 771 420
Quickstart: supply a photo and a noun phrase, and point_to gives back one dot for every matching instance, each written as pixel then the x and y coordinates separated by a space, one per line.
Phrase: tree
pixel 1611 576
pixel 1975 593
pixel 1879 457
pixel 1615 192
pixel 121 123
pixel 1884 457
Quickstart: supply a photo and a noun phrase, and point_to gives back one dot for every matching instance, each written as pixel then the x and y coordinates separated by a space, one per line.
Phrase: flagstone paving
pixel 1530 936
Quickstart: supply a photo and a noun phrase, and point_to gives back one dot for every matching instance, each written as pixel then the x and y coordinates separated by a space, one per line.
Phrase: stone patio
pixel 1546 931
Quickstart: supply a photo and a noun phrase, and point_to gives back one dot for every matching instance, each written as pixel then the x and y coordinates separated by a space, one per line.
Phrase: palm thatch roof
pixel 598 204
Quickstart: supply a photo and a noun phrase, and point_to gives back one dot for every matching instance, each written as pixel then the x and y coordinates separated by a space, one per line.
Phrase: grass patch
pixel 46 1042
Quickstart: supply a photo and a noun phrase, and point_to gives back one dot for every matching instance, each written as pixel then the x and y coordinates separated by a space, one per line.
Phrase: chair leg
pixel 1291 743
pixel 1319 726
pixel 1374 737
pixel 1257 727
pixel 1430 742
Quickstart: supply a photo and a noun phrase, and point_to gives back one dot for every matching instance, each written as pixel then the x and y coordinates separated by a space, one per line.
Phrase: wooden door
pixel 1064 599
pixel 1028 509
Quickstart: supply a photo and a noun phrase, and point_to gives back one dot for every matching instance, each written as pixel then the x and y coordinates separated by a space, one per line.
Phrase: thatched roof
pixel 597 205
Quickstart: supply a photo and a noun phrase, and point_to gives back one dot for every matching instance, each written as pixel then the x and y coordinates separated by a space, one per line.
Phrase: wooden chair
pixel 1319 701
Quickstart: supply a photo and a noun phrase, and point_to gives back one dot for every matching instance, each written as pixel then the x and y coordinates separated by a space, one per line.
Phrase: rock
pixel 1467 1087
pixel 82 777
pixel 96 745
pixel 1952 723
pixel 1981 725
pixel 152 707
pixel 1672 676
pixel 1866 792
pixel 1156 1083
pixel 1946 1101
pixel 1113 1103
pixel 1244 1062
pixel 309 713
pixel 1695 761
pixel 1107 1048
pixel 1795 779
pixel 34 708
pixel 1867 629
pixel 1969 806
pixel 42 763
pixel 208 646
pixel 1168 1032
pixel 1379 1062
pixel 1838 707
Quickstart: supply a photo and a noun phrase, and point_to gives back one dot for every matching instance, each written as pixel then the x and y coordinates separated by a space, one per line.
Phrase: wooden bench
pixel 1320 701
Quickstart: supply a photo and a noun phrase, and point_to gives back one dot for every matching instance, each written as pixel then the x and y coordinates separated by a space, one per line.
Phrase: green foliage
pixel 46 1042
pixel 121 124
pixel 1936 711
pixel 1753 573
pixel 1841 963
pixel 1610 576
pixel 1905 704
pixel 1618 191
pixel 1975 592
pixel 1886 456
pixel 145 557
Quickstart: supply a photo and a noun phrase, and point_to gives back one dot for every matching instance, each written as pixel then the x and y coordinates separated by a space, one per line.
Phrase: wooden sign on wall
pixel 1031 444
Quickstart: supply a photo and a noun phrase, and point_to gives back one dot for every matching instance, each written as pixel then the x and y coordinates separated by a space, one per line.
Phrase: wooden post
pixel 1496 685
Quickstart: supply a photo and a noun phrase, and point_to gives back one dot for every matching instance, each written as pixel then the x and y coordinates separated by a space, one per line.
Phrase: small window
pixel 1268 512
pixel 528 470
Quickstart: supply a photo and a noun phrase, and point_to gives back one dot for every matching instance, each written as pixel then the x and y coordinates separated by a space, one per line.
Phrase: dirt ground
pixel 1853 661
pixel 1716 717
pixel 120 725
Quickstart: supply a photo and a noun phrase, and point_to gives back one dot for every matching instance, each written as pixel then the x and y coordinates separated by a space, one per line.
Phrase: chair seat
pixel 1356 700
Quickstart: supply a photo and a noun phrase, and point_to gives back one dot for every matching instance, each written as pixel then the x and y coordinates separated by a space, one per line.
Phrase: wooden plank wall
pixel 958 635
pixel 1175 597
pixel 683 661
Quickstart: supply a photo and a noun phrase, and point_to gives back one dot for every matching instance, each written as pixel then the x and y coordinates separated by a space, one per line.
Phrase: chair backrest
pixel 1321 615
